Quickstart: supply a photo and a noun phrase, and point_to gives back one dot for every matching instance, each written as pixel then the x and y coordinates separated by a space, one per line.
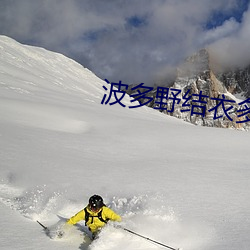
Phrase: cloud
pixel 228 28
pixel 133 41
pixel 233 49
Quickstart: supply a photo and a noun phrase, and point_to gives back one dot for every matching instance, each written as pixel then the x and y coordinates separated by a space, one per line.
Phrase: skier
pixel 95 214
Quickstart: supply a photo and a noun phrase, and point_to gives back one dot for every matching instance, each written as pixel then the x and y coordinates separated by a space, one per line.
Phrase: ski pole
pixel 146 238
pixel 45 228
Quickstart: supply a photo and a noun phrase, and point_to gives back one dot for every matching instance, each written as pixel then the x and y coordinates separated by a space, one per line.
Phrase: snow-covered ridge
pixel 37 66
pixel 38 76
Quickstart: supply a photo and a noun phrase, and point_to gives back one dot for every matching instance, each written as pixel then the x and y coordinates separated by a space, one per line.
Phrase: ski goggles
pixel 94 208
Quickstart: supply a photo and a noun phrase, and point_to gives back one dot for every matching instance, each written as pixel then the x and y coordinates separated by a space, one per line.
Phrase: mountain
pixel 182 185
pixel 206 95
pixel 197 75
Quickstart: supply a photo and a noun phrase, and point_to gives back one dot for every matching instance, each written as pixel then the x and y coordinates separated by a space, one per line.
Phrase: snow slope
pixel 176 183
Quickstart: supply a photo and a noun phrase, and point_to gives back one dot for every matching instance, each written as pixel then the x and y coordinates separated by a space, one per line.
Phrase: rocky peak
pixel 197 75
pixel 197 64
pixel 197 70
pixel 199 83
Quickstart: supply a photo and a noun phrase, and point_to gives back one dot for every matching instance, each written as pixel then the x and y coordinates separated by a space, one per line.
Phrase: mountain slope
pixel 182 185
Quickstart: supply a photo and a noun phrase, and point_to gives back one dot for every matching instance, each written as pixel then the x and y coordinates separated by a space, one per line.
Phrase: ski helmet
pixel 95 202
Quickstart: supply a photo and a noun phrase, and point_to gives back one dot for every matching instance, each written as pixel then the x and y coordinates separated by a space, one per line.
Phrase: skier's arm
pixel 77 217
pixel 110 214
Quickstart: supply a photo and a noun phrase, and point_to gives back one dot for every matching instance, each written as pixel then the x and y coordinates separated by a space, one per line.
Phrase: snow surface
pixel 182 185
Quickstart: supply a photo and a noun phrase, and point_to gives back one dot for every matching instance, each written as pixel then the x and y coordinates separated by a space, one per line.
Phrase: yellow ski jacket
pixel 94 223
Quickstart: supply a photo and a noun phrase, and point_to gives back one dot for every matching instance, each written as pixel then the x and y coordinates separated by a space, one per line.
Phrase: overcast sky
pixel 131 40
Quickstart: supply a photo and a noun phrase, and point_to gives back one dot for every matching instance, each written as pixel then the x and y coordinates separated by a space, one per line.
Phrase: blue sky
pixel 131 40
pixel 218 17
